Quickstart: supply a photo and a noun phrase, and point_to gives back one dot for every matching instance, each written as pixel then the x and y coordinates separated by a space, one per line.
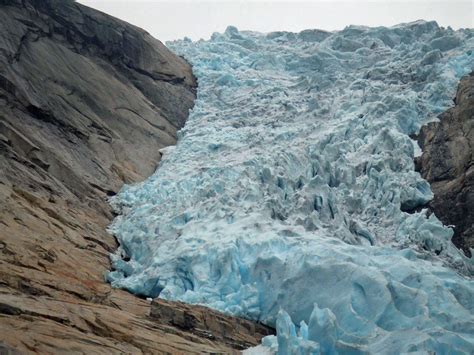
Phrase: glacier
pixel 291 196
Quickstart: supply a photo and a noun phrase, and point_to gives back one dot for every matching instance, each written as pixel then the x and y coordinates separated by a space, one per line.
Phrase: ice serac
pixel 286 197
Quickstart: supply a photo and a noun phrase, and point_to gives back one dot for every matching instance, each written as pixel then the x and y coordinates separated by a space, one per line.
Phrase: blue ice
pixel 282 200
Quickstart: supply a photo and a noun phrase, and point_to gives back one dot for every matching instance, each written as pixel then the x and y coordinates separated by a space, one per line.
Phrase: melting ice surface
pixel 291 195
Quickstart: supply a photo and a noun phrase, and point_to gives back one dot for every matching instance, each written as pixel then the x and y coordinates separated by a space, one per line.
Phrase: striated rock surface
pixel 204 322
pixel 86 102
pixel 448 164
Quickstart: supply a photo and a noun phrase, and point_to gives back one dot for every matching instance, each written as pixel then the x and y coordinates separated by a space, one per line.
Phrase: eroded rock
pixel 448 164
pixel 208 323
pixel 86 102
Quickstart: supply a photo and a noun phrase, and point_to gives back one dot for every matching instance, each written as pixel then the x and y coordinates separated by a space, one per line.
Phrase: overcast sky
pixel 168 20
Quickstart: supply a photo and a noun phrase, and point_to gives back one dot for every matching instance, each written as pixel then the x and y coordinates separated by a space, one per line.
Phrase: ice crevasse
pixel 291 196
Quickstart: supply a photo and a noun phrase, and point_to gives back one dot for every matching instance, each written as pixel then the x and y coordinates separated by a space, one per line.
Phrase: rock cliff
pixel 86 102
pixel 448 164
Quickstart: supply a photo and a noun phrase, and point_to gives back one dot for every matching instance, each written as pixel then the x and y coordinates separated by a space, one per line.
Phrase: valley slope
pixel 86 102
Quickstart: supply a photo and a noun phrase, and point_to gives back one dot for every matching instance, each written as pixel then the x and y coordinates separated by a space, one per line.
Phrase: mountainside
pixel 448 164
pixel 86 103
pixel 292 196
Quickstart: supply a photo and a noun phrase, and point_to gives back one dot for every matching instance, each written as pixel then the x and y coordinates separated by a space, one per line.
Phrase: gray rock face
pixel 202 321
pixel 86 102
pixel 448 164
pixel 96 89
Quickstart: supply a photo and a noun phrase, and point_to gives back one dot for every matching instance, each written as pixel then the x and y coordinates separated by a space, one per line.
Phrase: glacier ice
pixel 291 196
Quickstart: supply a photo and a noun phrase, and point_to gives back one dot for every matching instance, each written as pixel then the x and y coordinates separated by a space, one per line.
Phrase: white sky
pixel 168 20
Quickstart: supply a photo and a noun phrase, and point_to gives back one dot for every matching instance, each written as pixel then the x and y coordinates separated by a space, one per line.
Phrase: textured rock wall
pixel 448 164
pixel 86 102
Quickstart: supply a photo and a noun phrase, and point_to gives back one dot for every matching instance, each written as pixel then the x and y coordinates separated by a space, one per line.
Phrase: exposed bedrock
pixel 86 102
pixel 448 164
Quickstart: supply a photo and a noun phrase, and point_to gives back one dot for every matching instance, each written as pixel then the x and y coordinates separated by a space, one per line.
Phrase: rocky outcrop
pixel 448 164
pixel 204 322
pixel 86 102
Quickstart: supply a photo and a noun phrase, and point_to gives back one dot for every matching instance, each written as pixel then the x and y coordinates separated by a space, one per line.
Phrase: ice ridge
pixel 291 196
